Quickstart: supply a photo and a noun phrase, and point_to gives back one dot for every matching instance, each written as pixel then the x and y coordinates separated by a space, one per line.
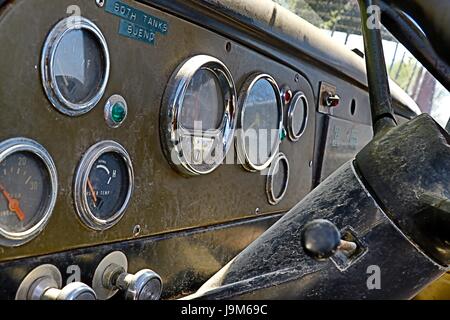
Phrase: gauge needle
pixel 91 188
pixel 13 204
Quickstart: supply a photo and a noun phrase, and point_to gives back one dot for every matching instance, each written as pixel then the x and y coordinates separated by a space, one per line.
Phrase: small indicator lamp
pixel 286 95
pixel 283 134
pixel 116 111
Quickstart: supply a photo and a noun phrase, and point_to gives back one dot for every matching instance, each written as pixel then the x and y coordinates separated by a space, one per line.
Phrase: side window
pixel 340 19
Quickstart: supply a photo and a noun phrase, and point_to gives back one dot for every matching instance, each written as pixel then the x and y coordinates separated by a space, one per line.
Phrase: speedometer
pixel 203 102
pixel 260 122
pixel 28 188
pixel 198 116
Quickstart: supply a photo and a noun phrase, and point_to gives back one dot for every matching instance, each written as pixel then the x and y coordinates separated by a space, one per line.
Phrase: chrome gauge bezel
pixel 48 58
pixel 174 135
pixel 240 141
pixel 81 177
pixel 9 147
pixel 299 99
pixel 271 197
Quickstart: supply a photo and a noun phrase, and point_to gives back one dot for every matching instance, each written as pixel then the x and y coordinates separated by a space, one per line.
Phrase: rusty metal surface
pixel 184 260
pixel 267 27
pixel 163 201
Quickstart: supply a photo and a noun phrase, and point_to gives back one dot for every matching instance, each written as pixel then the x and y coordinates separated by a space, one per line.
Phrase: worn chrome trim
pixel 82 175
pixel 9 147
pixel 298 98
pixel 271 197
pixel 48 56
pixel 173 134
pixel 240 141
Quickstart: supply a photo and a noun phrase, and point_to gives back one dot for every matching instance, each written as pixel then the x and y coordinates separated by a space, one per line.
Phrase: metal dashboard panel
pixel 163 201
pixel 184 260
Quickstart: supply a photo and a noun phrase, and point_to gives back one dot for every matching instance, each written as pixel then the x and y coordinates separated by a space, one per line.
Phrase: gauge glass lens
pixel 280 177
pixel 261 120
pixel 299 117
pixel 203 102
pixel 107 186
pixel 79 66
pixel 25 192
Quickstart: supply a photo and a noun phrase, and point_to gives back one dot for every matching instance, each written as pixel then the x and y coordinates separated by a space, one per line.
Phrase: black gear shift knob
pixel 321 239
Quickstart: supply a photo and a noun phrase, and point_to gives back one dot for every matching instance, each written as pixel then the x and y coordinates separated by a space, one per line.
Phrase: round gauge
pixel 297 116
pixel 103 185
pixel 75 66
pixel 277 179
pixel 28 190
pixel 203 106
pixel 198 116
pixel 260 122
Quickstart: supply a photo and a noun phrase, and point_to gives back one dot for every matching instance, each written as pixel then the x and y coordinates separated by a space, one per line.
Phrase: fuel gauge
pixel 103 185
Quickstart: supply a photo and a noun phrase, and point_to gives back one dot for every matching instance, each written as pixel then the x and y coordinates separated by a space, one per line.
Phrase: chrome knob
pixel 143 285
pixel 73 291
pixel 44 283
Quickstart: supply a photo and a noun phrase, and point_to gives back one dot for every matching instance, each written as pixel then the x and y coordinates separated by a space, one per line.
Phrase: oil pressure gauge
pixel 103 185
pixel 28 190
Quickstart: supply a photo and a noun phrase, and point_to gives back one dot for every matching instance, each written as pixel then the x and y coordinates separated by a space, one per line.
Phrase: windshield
pixel 340 19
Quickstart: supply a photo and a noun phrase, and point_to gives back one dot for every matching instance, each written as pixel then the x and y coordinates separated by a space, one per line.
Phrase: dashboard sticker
pixel 136 24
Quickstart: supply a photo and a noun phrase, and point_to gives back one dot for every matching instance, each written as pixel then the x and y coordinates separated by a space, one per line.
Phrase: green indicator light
pixel 283 134
pixel 118 112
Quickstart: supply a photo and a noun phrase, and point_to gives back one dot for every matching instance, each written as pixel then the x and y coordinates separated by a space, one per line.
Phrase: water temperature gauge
pixel 103 185
pixel 28 190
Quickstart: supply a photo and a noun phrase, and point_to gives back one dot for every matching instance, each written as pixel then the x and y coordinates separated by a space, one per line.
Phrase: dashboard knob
pixel 143 285
pixel 45 282
pixel 73 291
pixel 321 239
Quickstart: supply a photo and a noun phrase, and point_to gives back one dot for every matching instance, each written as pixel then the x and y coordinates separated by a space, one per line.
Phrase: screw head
pixel 100 3
pixel 137 230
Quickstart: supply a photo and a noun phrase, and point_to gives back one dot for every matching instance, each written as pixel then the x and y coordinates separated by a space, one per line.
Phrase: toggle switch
pixel 331 100
pixel 45 282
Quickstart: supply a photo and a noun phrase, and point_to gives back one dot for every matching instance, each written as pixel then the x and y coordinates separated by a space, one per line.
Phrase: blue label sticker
pixel 136 17
pixel 134 31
